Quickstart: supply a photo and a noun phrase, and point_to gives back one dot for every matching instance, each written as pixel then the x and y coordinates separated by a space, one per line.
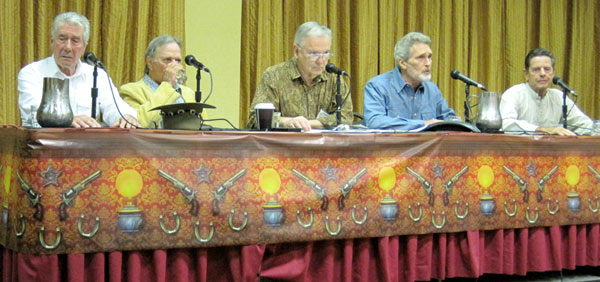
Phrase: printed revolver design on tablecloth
pixel 139 192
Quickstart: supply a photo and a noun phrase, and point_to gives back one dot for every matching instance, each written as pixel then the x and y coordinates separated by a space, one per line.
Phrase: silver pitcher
pixel 55 107
pixel 488 117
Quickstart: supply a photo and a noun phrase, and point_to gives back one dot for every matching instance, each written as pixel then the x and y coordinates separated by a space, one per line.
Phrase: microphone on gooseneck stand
pixel 333 69
pixel 89 58
pixel 92 60
pixel 566 89
pixel 330 67
pixel 191 61
pixel 556 80
pixel 457 75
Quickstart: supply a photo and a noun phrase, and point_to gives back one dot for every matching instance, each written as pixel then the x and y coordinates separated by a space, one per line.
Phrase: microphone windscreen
pixel 88 56
pixel 189 59
pixel 330 67
pixel 454 74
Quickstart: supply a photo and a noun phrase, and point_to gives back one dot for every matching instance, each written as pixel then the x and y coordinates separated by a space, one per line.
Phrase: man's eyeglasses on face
pixel 313 56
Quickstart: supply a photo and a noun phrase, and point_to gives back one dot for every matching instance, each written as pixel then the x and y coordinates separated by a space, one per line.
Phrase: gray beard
pixel 424 77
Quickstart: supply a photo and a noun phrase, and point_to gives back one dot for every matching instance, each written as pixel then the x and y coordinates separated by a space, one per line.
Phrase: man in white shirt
pixel 70 34
pixel 535 107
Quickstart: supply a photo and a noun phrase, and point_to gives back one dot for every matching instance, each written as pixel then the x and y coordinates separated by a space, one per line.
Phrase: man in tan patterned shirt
pixel 299 88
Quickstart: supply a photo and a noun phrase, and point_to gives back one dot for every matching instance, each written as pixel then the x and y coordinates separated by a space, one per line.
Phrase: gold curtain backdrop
pixel 486 40
pixel 119 34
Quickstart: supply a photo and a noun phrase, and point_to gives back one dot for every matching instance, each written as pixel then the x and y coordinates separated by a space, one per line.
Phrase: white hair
pixel 157 42
pixel 310 29
pixel 71 18
pixel 402 48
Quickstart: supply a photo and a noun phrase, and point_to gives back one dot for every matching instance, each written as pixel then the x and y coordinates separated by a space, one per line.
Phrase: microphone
pixel 556 80
pixel 457 75
pixel 191 61
pixel 333 69
pixel 89 58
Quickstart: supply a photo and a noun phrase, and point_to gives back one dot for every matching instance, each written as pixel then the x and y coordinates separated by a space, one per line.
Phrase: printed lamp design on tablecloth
pixel 388 207
pixel 485 177
pixel 572 177
pixel 270 182
pixel 129 184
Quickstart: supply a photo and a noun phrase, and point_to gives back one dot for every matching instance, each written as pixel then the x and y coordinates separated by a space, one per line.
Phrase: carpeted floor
pixel 580 274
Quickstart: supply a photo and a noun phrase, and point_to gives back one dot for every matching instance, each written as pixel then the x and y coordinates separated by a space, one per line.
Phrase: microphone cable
pixel 574 103
pixel 349 90
pixel 140 127
pixel 525 132
pixel 110 85
pixel 581 127
pixel 347 93
pixel 211 85
pixel 220 119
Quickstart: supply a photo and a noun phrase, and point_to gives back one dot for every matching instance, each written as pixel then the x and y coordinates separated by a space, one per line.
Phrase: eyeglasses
pixel 313 56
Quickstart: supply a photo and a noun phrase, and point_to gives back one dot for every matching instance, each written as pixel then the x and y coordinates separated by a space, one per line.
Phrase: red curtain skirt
pixel 397 258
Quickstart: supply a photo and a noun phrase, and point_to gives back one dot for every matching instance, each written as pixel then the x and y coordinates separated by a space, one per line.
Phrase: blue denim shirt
pixel 391 103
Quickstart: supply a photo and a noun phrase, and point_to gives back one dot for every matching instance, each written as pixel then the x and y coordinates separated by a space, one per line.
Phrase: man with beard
pixel 535 107
pixel 404 98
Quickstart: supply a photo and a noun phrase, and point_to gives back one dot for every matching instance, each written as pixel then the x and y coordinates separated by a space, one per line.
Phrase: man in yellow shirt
pixel 159 85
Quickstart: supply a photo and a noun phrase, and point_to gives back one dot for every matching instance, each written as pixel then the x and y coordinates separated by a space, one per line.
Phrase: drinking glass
pixel 596 128
pixel 181 78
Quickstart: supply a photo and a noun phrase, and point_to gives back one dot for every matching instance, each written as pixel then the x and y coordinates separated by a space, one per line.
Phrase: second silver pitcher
pixel 55 107
pixel 488 117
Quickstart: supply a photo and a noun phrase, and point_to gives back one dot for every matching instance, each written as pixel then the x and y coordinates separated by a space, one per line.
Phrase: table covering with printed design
pixel 96 190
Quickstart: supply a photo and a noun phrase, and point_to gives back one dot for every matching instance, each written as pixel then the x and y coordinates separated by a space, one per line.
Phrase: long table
pixel 72 191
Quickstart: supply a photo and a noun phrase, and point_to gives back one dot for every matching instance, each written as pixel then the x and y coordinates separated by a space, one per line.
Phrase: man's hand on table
pixel 432 121
pixel 556 130
pixel 84 121
pixel 121 123
pixel 299 122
